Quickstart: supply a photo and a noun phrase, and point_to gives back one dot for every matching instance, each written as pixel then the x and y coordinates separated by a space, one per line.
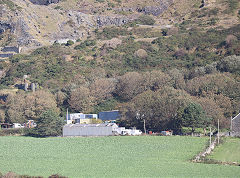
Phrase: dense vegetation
pixel 108 157
pixel 139 67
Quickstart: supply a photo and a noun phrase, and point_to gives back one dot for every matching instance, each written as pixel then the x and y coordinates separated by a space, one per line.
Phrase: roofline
pixel 236 116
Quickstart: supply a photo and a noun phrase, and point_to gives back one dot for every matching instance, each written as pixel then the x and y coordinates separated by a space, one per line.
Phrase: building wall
pixel 236 125
pixel 109 115
pixel 6 55
pixel 75 130
pixel 11 49
pixel 83 121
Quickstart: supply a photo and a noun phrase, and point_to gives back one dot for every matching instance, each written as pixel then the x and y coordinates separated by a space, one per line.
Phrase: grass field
pixel 229 151
pixel 150 156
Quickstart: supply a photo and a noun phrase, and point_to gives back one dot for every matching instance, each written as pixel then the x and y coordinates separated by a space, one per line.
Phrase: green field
pixel 229 151
pixel 150 156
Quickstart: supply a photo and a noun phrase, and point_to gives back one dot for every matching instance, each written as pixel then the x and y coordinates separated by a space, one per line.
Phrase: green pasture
pixel 229 151
pixel 143 156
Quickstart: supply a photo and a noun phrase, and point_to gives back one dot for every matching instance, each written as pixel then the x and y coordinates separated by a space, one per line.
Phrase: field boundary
pixel 201 157
pixel 207 151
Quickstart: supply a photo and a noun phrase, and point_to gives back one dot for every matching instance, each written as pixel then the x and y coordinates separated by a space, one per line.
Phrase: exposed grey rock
pixel 156 10
pixel 125 9
pixel 44 2
pixel 108 21
pixel 5 26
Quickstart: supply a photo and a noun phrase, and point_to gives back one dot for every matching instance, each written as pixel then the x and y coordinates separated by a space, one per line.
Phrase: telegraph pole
pixel 218 131
pixel 231 124
pixel 144 125
pixel 210 135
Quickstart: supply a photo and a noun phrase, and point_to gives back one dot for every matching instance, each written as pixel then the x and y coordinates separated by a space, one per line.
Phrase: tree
pixel 81 100
pixel 159 108
pixel 60 98
pixel 29 106
pixel 155 80
pixel 102 89
pixel 49 124
pixel 194 116
pixel 130 85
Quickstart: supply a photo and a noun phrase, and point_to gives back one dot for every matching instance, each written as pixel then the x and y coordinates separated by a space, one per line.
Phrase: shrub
pixel 11 131
pixel 145 20
pixel 100 1
pixel 69 43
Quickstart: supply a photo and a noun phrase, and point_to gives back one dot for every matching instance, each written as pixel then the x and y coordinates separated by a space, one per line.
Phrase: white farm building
pixel 89 129
pixel 106 129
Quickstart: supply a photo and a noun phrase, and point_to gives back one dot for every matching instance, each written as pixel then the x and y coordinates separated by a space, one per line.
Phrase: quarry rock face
pixel 107 20
pixel 33 26
pixel 156 10
pixel 44 2
pixel 5 26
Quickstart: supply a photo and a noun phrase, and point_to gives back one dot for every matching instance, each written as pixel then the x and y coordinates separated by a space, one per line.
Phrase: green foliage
pixel 8 132
pixel 112 32
pixel 69 43
pixel 58 7
pixel 85 44
pixel 118 1
pixel 194 116
pixel 48 124
pixel 10 4
pixel 233 6
pixel 145 20
pixel 105 106
pixel 101 1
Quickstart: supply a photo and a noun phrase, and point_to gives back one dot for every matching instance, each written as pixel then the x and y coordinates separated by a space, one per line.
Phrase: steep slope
pixel 36 23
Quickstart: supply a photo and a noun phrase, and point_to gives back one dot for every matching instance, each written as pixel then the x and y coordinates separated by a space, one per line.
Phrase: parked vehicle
pixel 30 124
pixel 17 125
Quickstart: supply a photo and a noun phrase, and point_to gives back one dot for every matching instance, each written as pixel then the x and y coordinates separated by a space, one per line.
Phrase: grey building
pixel 109 115
pixel 108 129
pixel 236 126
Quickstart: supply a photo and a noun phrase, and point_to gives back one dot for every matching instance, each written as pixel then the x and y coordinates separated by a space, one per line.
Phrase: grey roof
pixel 237 116
pixel 91 125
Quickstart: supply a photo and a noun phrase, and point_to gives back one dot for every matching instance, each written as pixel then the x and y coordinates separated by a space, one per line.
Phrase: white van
pixel 17 125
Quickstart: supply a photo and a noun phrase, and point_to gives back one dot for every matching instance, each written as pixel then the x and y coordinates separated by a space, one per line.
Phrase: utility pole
pixel 231 124
pixel 67 116
pixel 210 135
pixel 218 131
pixel 144 125
pixel 141 117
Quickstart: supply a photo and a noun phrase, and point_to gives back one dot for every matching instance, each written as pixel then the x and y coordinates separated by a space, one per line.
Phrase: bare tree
pixel 81 100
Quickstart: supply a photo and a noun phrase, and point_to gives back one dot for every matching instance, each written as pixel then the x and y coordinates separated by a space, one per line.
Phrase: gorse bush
pixel 145 20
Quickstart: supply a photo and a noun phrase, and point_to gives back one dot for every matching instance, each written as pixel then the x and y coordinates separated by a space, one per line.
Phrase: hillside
pixel 155 56
pixel 35 25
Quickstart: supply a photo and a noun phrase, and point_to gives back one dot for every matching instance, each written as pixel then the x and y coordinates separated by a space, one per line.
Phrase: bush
pixel 11 131
pixel 69 43
pixel 145 20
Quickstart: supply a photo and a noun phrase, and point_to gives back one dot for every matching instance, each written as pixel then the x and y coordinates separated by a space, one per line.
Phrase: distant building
pixel 9 51
pixel 89 129
pixel 80 118
pixel 236 126
pixel 109 115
